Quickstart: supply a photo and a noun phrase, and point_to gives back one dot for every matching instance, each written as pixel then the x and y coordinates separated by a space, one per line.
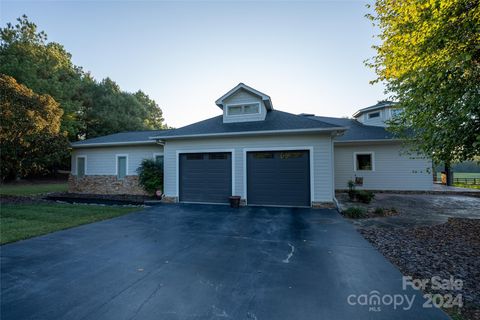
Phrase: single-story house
pixel 251 150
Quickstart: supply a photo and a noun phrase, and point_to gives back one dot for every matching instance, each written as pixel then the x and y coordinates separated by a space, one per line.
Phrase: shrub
pixel 364 196
pixel 379 211
pixel 150 176
pixel 351 190
pixel 355 213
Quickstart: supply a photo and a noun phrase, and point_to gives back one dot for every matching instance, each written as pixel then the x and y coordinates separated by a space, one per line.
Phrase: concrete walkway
pixel 416 209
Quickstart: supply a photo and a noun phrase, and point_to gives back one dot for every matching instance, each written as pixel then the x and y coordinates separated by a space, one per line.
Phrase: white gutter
pixel 246 133
pixel 369 140
pixel 107 144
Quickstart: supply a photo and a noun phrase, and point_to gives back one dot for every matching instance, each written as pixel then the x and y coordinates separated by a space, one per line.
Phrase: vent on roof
pixel 307 114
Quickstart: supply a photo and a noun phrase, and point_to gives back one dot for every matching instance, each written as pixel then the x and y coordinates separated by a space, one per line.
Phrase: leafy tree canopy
pixel 30 133
pixel 429 58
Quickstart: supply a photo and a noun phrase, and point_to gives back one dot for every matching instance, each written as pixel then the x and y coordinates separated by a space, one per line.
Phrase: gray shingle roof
pixel 274 121
pixel 122 137
pixel 379 105
pixel 356 130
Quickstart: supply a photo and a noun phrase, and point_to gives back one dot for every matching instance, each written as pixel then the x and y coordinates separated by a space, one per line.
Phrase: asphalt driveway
pixel 204 262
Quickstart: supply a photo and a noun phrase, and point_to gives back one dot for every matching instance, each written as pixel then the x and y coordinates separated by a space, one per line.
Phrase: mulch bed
pixel 449 249
pixel 70 197
pixel 10 199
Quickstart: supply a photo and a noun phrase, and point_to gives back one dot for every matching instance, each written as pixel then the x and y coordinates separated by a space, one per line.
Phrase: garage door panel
pixel 278 178
pixel 205 177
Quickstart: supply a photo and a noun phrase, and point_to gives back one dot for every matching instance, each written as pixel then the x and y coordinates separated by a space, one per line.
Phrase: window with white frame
pixel 364 161
pixel 122 164
pixel 81 166
pixel 374 115
pixel 158 157
pixel 248 108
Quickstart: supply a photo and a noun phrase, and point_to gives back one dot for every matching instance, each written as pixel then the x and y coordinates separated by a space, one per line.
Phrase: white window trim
pixel 177 167
pixel 309 148
pixel 76 163
pixel 241 105
pixel 371 153
pixel 116 163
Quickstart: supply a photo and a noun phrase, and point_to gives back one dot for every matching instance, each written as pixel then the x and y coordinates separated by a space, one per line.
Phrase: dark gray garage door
pixel 278 178
pixel 205 177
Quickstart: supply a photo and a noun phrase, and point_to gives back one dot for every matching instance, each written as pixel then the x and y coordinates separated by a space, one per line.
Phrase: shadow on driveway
pixel 204 262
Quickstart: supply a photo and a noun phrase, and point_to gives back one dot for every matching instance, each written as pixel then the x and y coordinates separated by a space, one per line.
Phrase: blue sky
pixel 308 56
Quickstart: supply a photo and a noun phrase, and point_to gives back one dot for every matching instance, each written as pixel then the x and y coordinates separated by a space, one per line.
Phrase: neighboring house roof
pixel 379 105
pixel 241 86
pixel 122 138
pixel 356 130
pixel 275 122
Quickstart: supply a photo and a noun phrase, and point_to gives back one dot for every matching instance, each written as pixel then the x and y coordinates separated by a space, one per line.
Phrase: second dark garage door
pixel 205 177
pixel 278 178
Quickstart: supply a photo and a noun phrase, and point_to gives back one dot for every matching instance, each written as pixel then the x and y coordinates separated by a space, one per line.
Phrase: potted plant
pixel 235 201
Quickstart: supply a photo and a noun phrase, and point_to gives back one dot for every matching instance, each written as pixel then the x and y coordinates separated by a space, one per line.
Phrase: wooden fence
pixel 472 181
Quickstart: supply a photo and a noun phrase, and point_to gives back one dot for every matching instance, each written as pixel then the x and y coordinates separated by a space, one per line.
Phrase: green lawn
pixel 32 189
pixel 24 221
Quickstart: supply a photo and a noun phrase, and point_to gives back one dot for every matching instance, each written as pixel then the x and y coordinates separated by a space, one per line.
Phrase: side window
pixel 159 159
pixel 81 164
pixel 374 115
pixel 121 167
pixel 364 162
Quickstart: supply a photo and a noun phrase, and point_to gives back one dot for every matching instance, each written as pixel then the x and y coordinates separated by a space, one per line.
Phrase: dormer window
pixel 241 109
pixel 374 115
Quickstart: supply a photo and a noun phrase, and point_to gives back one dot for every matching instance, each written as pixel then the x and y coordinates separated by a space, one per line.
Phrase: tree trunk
pixel 448 172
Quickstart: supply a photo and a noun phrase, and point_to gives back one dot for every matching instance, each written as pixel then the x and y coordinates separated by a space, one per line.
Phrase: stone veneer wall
pixel 104 185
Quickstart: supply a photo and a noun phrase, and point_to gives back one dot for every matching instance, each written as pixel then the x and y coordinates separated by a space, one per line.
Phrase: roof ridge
pixel 303 117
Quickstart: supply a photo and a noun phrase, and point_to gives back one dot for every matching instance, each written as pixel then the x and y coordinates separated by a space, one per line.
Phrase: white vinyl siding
pixel 103 161
pixel 393 169
pixel 375 121
pixel 321 155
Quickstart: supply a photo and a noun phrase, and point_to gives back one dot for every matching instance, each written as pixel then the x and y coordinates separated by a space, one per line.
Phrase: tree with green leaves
pixel 30 135
pixel 45 67
pixel 429 59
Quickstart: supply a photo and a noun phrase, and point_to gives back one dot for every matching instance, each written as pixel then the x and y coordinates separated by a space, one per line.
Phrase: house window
pixel 158 158
pixel 263 155
pixel 250 108
pixel 291 155
pixel 217 156
pixel 121 167
pixel 374 115
pixel 81 166
pixel 364 161
pixel 396 112
pixel 195 156
pixel 235 110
